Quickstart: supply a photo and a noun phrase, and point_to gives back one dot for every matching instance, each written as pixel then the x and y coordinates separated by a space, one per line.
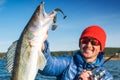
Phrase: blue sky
pixel 15 14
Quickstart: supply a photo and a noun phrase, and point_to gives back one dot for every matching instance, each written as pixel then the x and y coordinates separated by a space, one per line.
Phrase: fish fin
pixel 41 61
pixel 10 56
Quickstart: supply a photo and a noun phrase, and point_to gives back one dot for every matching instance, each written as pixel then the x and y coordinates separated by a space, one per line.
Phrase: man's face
pixel 89 47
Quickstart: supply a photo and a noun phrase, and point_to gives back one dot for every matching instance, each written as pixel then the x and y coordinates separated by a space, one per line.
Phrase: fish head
pixel 39 24
pixel 42 18
pixel 41 21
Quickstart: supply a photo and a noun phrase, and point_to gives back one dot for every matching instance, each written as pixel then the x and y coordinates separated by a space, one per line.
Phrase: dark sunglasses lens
pixel 84 40
pixel 95 42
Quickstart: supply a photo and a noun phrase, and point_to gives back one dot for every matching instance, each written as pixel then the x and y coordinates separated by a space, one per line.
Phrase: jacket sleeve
pixel 55 64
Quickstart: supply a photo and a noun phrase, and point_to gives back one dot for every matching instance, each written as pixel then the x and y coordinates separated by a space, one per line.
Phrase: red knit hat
pixel 96 32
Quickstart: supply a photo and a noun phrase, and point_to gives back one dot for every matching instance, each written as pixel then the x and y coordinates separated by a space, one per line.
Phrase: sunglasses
pixel 86 40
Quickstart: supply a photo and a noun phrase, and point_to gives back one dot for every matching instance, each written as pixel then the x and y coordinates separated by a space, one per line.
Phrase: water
pixel 112 66
pixel 4 75
pixel 3 72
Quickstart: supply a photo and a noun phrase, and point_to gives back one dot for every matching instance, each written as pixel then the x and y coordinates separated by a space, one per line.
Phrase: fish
pixel 25 56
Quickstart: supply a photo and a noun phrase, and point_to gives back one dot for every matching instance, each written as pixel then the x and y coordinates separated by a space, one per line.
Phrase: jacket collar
pixel 80 61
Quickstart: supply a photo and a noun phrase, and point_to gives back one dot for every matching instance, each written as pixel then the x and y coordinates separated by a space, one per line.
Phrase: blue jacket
pixel 70 67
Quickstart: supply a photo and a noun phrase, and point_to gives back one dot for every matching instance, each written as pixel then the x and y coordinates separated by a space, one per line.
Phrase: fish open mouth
pixel 56 10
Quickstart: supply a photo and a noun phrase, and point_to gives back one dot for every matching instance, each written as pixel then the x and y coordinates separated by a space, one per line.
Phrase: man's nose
pixel 89 44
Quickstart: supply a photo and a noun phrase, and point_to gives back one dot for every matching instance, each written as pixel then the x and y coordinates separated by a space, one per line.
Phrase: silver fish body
pixel 28 54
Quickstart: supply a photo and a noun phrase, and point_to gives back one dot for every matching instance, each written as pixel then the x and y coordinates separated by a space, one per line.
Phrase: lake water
pixel 112 66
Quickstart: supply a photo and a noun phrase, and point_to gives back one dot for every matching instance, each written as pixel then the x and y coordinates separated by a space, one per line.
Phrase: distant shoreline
pixel 4 57
pixel 112 58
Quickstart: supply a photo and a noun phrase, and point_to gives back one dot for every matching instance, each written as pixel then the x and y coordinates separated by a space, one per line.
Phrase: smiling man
pixel 79 66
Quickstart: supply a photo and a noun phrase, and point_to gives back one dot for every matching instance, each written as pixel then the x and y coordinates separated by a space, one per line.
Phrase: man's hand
pixel 85 75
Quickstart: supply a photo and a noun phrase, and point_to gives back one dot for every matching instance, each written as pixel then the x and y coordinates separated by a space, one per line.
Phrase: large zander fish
pixel 28 54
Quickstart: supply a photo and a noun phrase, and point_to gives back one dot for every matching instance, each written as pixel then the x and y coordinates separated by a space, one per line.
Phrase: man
pixel 79 67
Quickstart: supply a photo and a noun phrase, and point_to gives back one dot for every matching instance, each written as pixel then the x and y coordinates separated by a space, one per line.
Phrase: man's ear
pixel 101 51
